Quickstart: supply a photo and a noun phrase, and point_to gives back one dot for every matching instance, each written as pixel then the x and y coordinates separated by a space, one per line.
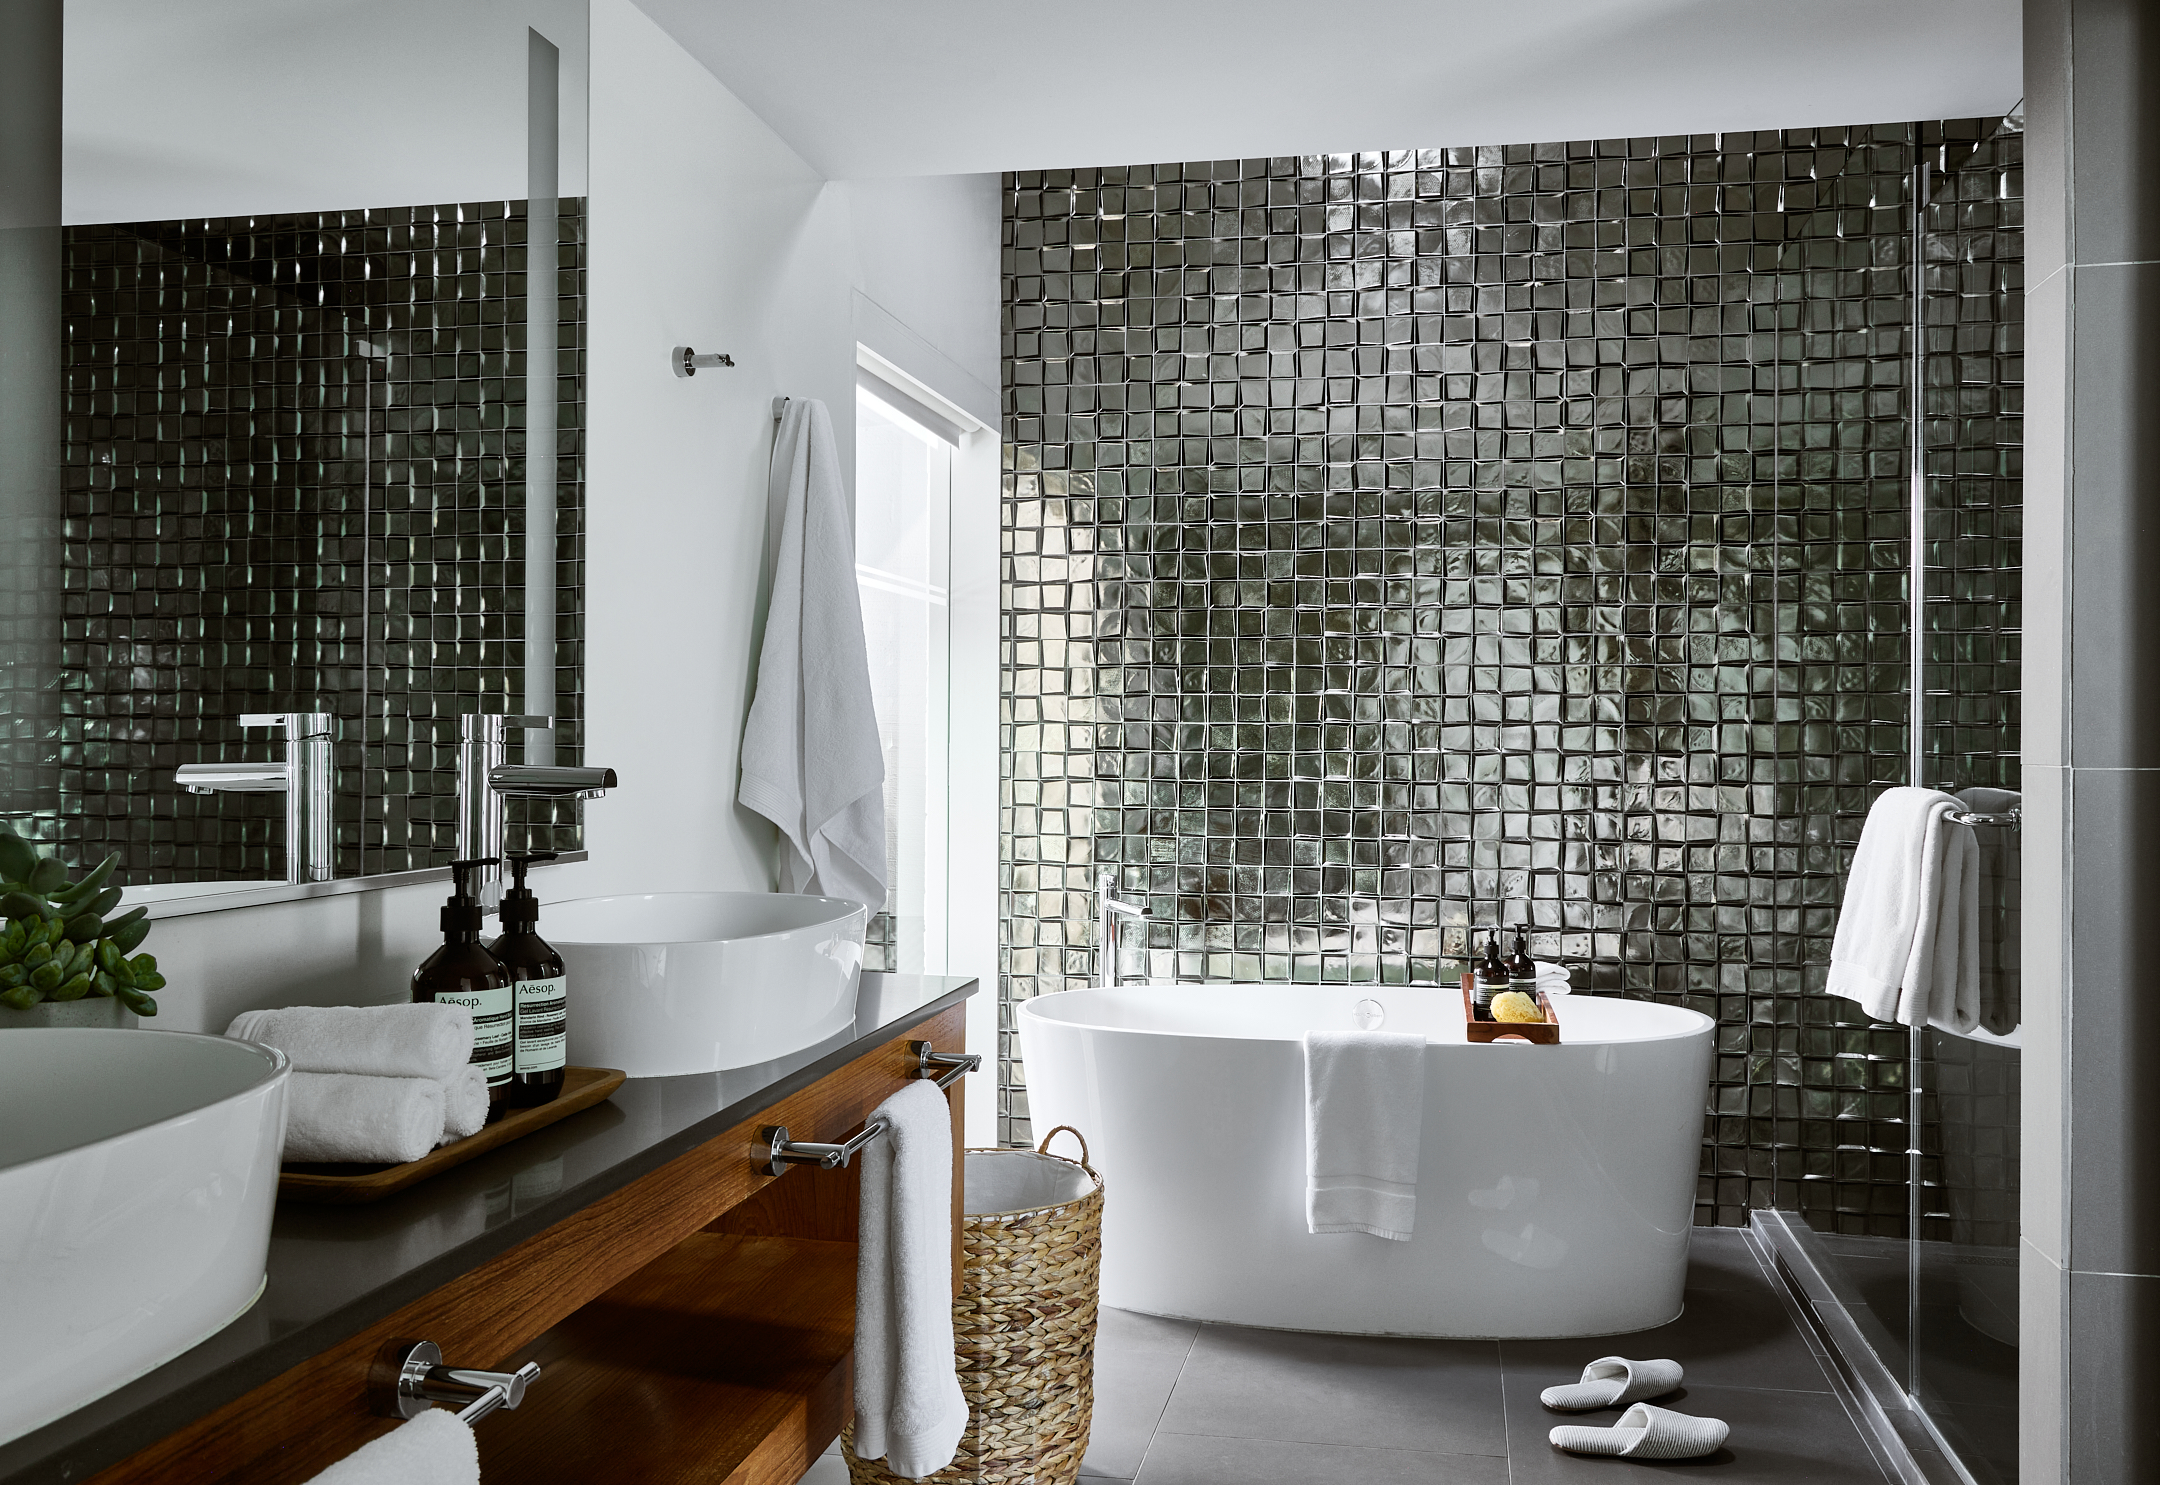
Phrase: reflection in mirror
pixel 278 509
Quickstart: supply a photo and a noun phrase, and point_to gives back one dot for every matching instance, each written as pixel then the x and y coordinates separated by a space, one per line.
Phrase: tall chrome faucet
pixel 304 778
pixel 1108 910
pixel 485 781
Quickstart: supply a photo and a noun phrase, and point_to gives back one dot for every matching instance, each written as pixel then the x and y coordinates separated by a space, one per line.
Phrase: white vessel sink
pixel 138 1170
pixel 692 982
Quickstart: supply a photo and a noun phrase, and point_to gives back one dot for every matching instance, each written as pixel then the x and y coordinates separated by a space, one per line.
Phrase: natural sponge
pixel 1513 1005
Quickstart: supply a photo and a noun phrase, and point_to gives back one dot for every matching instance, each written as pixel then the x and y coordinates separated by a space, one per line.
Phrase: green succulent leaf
pixel 89 885
pixel 104 985
pixel 21 998
pixel 108 955
pixel 55 930
pixel 85 928
pixel 143 964
pixel 12 976
pixel 74 989
pixel 83 959
pixel 149 979
pixel 127 936
pixel 139 1003
pixel 18 858
pixel 37 955
pixel 48 977
pixel 13 940
pixel 21 904
pixel 124 973
pixel 104 902
pixel 48 876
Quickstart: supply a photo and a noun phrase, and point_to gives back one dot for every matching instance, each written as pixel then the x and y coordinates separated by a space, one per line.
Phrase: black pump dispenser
pixel 539 990
pixel 461 972
pixel 462 918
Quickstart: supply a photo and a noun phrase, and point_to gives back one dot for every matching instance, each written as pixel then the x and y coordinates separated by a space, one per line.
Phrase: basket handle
pixel 1044 1147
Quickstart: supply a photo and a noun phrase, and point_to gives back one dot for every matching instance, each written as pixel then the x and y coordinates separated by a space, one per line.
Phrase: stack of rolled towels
pixel 373 1083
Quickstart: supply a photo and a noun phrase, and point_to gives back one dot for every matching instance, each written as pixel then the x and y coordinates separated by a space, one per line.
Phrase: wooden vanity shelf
pixel 695 1324
pixel 726 1360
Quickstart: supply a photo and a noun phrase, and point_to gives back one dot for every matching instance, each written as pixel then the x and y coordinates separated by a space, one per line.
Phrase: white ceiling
pixel 932 87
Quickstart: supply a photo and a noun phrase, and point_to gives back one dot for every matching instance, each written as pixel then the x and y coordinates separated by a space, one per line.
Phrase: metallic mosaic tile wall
pixel 294 481
pixel 1448 537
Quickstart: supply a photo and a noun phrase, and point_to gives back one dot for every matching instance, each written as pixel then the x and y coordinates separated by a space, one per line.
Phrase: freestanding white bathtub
pixel 1555 1183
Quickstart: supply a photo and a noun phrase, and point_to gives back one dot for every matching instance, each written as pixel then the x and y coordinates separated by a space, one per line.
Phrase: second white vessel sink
pixel 688 982
pixel 138 1170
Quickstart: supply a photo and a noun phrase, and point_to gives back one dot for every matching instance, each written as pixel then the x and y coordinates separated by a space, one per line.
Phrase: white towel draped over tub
pixel 909 1410
pixel 1908 935
pixel 1364 1112
pixel 811 760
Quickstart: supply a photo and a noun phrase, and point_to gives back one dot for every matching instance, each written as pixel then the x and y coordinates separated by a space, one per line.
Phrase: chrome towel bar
pixel 779 1151
pixel 411 1379
pixel 776 1149
pixel 943 1068
pixel 2013 819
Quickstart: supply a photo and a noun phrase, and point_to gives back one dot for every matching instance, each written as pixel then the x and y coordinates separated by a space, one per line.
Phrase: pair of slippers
pixel 1643 1432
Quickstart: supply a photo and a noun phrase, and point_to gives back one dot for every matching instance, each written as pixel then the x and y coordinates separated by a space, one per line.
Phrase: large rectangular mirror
pixel 292 319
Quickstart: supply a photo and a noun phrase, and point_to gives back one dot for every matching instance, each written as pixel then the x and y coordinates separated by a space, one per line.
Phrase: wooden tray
pixel 345 1185
pixel 1544 1033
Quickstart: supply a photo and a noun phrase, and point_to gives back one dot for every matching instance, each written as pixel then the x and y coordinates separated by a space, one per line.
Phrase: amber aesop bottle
pixel 539 989
pixel 462 972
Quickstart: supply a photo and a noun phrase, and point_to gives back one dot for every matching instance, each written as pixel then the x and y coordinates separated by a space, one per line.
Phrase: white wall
pixel 706 230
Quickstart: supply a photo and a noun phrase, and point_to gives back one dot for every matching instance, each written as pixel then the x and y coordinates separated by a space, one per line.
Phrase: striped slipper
pixel 1644 1432
pixel 1613 1382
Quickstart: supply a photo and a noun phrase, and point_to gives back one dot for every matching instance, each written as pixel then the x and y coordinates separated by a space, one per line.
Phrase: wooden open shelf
pixel 726 1361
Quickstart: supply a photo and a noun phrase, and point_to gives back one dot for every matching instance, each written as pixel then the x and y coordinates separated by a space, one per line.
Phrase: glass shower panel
pixel 1963 1357
pixel 1843 363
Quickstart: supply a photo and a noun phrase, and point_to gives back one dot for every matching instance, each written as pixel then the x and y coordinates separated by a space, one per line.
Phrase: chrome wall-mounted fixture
pixel 1107 912
pixel 410 1378
pixel 304 778
pixel 686 361
pixel 775 1150
pixel 942 1068
pixel 485 780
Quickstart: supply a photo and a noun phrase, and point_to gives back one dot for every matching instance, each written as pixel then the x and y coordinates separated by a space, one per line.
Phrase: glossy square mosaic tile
pixel 294 481
pixel 1435 538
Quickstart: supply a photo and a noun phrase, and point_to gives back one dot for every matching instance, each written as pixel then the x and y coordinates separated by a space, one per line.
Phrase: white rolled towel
pixel 349 1117
pixel 422 1040
pixel 465 1103
pixel 432 1449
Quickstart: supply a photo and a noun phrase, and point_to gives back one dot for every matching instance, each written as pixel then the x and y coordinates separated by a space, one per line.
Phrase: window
pixel 903 512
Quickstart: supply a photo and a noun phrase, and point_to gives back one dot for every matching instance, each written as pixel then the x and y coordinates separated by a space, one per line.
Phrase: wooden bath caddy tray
pixel 1544 1033
pixel 582 1087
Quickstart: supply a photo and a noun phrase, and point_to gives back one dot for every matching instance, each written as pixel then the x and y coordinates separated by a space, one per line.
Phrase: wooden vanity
pixel 694 1320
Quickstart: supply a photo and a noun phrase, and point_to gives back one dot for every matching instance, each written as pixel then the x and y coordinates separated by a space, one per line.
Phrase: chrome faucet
pixel 304 778
pixel 1107 912
pixel 485 781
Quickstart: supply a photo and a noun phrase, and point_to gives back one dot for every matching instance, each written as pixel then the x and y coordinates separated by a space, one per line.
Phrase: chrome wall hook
pixel 686 361
pixel 411 1379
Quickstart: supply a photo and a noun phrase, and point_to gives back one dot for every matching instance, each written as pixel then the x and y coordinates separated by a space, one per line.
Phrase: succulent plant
pixel 58 944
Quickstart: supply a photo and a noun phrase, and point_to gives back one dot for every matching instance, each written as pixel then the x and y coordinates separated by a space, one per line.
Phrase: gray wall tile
pixel 2114 1374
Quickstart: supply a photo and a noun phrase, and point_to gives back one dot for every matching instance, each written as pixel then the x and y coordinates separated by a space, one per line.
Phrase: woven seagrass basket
pixel 1024 1328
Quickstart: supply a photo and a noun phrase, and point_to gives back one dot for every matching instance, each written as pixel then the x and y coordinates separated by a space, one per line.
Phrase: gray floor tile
pixel 1137 1360
pixel 1719 1258
pixel 1188 1459
pixel 1727 1338
pixel 1378 1392
pixel 1778 1438
pixel 830 1469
